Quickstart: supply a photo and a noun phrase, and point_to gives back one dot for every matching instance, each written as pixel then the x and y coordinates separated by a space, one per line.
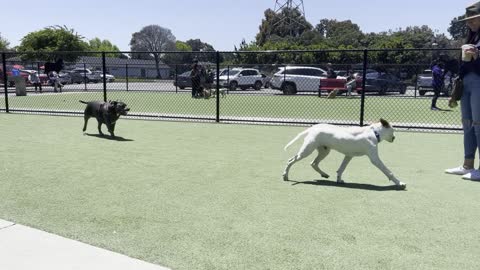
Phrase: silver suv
pixel 242 78
pixel 293 79
pixel 80 75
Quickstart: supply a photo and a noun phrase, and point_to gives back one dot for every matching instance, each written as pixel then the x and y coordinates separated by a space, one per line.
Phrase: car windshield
pixel 224 72
pixel 232 72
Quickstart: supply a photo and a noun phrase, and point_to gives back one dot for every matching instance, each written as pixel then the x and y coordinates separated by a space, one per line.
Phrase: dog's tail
pixel 296 138
pixel 83 102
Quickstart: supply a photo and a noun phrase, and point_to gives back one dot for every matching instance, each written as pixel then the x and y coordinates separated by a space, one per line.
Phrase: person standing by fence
pixel 195 76
pixel 437 83
pixel 470 100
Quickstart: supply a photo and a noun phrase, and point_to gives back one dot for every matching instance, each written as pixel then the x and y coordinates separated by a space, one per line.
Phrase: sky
pixel 221 23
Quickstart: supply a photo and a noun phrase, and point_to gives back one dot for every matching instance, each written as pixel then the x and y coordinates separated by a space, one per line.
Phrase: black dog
pixel 106 113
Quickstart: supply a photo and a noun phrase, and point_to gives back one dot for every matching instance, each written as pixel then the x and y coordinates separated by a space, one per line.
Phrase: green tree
pixel 152 39
pixel 181 61
pixel 289 22
pixel 3 43
pixel 198 46
pixel 98 45
pixel 458 30
pixel 340 33
pixel 52 39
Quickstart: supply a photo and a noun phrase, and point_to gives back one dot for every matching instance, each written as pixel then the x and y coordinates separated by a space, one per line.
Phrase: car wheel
pixel 403 90
pixel 422 92
pixel 257 85
pixel 233 86
pixel 181 87
pixel 87 80
pixel 289 89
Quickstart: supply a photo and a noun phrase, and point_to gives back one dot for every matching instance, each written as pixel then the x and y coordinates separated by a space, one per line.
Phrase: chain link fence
pixel 274 87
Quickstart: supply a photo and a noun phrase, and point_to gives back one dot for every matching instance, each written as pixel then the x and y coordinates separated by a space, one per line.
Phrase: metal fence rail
pixel 274 87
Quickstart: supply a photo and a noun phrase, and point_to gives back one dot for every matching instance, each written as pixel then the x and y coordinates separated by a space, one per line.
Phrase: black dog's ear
pixel 384 123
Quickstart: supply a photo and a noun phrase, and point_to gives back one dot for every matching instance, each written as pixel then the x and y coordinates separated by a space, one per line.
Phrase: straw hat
pixel 471 12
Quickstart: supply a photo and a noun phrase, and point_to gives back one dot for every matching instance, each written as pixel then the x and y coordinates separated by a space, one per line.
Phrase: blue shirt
pixel 437 73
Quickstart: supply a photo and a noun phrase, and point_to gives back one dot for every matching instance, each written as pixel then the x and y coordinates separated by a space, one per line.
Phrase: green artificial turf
pixel 413 111
pixel 211 196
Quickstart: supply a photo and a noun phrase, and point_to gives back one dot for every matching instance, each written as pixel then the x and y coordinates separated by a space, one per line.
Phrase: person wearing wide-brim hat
pixel 470 100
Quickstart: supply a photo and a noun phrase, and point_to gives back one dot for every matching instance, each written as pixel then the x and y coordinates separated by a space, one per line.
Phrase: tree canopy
pixel 288 23
pixel 3 43
pixel 457 29
pixel 98 45
pixel 52 39
pixel 152 39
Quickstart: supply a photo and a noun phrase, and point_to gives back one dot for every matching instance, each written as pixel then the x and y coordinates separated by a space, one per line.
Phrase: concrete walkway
pixel 24 248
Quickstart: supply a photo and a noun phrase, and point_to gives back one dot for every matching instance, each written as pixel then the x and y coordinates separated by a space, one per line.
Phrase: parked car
pixel 183 80
pixel 110 77
pixel 425 79
pixel 384 83
pixel 242 78
pixel 80 75
pixel 293 79
pixel 23 73
pixel 64 78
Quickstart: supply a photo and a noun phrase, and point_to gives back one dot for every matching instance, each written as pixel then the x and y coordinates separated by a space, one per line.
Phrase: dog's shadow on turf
pixel 347 185
pixel 107 137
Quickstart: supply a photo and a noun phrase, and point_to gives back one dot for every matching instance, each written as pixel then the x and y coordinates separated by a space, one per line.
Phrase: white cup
pixel 467 57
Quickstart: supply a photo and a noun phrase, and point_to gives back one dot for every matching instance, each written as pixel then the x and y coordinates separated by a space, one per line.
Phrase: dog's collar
pixel 377 135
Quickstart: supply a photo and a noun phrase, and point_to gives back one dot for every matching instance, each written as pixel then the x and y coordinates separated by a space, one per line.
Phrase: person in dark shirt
pixel 195 76
pixel 330 72
pixel 470 100
pixel 438 77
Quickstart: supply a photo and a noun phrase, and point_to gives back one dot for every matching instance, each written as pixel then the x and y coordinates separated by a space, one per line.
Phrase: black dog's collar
pixel 377 135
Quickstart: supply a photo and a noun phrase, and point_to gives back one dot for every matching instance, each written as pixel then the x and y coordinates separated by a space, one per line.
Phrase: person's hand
pixel 472 52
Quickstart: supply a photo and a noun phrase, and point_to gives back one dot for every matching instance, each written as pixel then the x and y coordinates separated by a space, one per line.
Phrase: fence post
pixel 364 79
pixel 176 78
pixel 104 68
pixel 228 79
pixel 416 82
pixel 5 80
pixel 85 76
pixel 126 75
pixel 217 87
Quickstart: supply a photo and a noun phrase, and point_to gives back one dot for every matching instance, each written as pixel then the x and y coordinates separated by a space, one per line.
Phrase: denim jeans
pixel 470 106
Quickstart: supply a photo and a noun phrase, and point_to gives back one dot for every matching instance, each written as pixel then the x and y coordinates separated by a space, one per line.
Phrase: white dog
pixel 352 142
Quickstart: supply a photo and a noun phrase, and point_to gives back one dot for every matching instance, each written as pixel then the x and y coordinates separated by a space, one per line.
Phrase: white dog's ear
pixel 384 123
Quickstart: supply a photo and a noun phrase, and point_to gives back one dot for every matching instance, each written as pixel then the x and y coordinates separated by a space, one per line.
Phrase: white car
pixel 293 79
pixel 242 78
pixel 86 75
pixel 110 77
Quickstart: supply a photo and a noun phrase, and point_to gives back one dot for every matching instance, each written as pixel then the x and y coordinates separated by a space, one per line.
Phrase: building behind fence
pixel 279 87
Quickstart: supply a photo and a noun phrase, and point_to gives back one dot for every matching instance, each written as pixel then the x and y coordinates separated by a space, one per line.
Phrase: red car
pixel 24 74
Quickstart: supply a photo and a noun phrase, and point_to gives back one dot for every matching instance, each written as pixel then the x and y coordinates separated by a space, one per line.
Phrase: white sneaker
pixel 458 170
pixel 474 175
